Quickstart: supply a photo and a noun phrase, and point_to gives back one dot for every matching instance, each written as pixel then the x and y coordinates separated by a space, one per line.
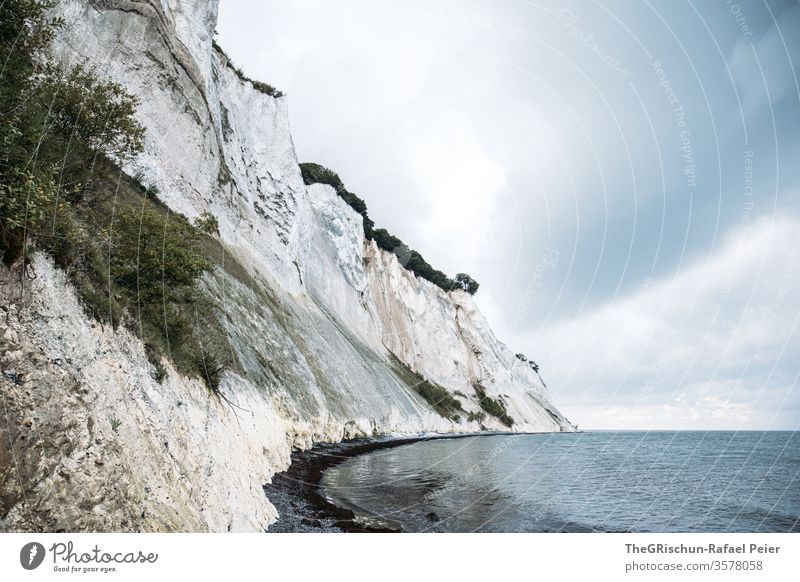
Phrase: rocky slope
pixel 331 333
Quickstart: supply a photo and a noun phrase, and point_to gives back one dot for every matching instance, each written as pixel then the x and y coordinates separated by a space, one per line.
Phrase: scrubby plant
pixel 414 262
pixel 439 399
pixel 533 365
pixel 27 201
pixel 63 131
pixel 151 192
pixel 159 371
pixel 54 121
pixel 211 367
pixel 153 254
pixel 466 283
pixel 494 407
pixel 476 417
pixel 94 114
pixel 435 395
pixel 207 223
pixel 411 259
pixel 260 86
pixel 26 30
pixel 319 174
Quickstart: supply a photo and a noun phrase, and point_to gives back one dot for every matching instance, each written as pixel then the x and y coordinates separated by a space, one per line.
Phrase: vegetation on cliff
pixel 409 258
pixel 64 133
pixel 492 406
pixel 259 86
pixel 444 403
pixel 533 365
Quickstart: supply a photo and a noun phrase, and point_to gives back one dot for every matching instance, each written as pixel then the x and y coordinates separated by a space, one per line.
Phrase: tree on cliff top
pixel 466 283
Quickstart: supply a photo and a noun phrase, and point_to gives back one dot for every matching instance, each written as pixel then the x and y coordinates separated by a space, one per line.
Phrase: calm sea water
pixel 594 481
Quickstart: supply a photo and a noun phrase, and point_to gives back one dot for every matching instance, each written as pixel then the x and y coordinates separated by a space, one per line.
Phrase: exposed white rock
pixel 112 449
pixel 316 329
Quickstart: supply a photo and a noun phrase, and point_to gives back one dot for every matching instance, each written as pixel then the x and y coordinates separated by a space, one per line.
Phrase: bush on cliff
pixel 54 122
pixel 319 174
pixel 492 406
pixel 160 262
pixel 466 283
pixel 533 365
pixel 62 132
pixel 439 399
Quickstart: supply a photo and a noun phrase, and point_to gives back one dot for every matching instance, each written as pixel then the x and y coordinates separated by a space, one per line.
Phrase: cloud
pixel 694 350
pixel 460 183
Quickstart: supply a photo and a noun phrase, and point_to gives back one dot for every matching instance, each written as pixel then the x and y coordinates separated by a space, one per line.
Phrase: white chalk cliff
pixel 320 326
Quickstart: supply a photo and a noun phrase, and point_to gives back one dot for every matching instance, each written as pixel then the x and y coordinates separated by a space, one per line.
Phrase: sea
pixel 630 481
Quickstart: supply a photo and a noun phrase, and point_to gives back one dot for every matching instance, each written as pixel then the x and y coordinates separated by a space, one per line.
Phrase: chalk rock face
pixel 333 334
pixel 213 142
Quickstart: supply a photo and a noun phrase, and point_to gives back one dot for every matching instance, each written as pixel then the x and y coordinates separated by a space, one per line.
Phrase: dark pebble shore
pixel 296 493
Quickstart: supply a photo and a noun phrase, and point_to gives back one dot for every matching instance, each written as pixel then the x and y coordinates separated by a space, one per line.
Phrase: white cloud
pixel 460 183
pixel 694 350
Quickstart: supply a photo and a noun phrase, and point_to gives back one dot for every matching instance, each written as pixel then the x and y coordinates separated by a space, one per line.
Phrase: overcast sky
pixel 622 178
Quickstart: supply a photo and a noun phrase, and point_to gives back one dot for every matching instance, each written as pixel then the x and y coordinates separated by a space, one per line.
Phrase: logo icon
pixel 31 555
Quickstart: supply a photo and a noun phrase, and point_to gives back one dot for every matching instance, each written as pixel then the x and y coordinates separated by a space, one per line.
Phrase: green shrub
pixel 207 223
pixel 436 396
pixel 319 174
pixel 467 283
pixel 476 417
pixel 27 201
pixel 492 406
pixel 439 399
pixel 387 241
pixel 260 86
pixel 26 30
pixel 54 122
pixel 421 268
pixel 97 115
pixel 411 259
pixel 62 133
pixel 152 254
pixel 155 258
pixel 211 367
pixel 159 371
pixel 151 192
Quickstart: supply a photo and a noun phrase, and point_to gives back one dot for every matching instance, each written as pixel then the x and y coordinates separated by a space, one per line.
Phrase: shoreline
pixel 297 495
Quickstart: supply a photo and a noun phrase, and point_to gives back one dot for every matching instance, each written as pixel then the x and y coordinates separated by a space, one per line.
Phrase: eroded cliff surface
pixel 332 336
